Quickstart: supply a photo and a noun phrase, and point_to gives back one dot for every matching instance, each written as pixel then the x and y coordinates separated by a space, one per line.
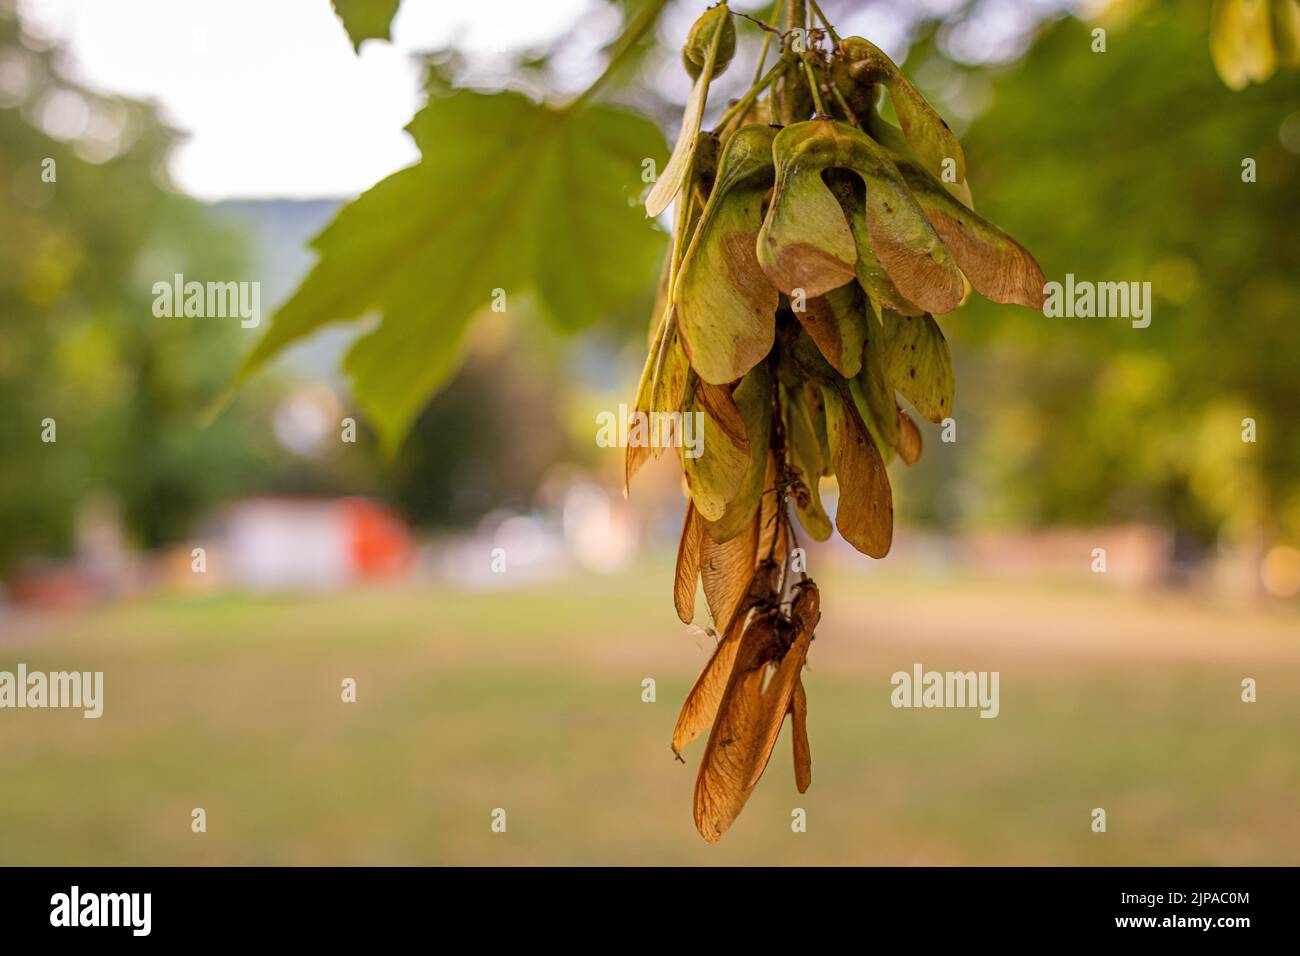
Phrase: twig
pixel 767 40
pixel 821 16
pixel 812 84
pixel 622 47
pixel 741 106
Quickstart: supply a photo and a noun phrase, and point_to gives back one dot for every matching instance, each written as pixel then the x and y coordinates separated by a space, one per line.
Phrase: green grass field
pixel 531 701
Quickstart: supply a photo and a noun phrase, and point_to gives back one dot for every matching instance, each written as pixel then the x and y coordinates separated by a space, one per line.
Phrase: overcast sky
pixel 272 96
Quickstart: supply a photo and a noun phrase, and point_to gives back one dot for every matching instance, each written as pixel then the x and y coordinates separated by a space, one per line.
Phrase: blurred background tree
pixel 1127 165
pixel 78 340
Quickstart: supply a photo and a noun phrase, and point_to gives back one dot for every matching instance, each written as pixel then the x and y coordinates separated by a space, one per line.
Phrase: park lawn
pixel 530 700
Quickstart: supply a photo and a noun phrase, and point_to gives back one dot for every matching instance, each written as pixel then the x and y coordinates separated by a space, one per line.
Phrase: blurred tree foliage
pixel 78 339
pixel 1127 165
pixel 486 442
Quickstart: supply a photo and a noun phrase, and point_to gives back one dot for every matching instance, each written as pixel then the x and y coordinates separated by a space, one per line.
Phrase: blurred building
pixel 287 543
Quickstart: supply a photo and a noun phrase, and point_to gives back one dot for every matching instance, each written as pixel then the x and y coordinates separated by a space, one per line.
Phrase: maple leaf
pixel 510 194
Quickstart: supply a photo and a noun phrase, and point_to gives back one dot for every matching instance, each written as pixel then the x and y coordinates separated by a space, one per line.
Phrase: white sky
pixel 273 98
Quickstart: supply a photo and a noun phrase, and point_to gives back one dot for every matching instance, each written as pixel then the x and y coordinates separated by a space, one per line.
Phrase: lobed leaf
pixel 366 19
pixel 509 194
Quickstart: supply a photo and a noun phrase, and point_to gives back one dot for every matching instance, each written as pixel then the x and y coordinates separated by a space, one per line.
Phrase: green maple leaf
pixel 510 194
pixel 366 19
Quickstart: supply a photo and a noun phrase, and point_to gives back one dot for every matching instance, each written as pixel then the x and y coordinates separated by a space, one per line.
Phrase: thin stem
pixel 812 83
pixel 792 545
pixel 761 24
pixel 797 16
pixel 623 46
pixel 777 508
pixel 767 40
pixel 844 104
pixel 741 106
pixel 796 19
pixel 685 203
pixel 825 22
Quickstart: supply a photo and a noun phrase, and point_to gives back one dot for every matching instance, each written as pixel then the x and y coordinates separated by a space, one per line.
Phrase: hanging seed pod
pixel 726 308
pixel 754 704
pixel 793 317
pixel 714 477
pixel 695 51
pixel 799 737
pixel 806 241
pixel 837 322
pixel 909 445
pixel 925 129
pixel 871 275
pixel 805 456
pixel 701 704
pixel 674 175
pixel 997 266
pixel 753 398
pixel 918 363
pixel 873 389
pixel 859 93
pixel 864 516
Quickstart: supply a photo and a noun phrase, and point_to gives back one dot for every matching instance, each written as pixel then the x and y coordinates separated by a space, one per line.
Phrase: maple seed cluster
pixel 813 243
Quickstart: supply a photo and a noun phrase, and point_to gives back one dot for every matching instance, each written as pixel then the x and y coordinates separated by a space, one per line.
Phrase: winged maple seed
pixel 813 243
